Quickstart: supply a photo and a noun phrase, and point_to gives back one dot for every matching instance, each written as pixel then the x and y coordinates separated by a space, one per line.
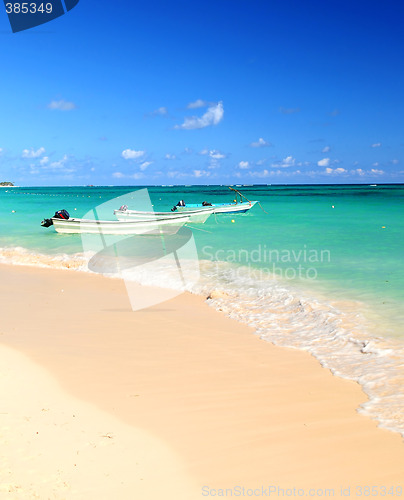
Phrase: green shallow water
pixel 349 238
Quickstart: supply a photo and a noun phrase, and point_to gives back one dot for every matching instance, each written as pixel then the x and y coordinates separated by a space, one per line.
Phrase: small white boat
pixel 145 227
pixel 196 216
pixel 219 208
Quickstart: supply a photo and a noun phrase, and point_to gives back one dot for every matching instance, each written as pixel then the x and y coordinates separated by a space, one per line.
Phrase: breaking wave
pixel 336 333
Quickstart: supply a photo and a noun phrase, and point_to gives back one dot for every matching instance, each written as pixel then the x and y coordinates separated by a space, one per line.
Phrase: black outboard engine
pixel 181 203
pixel 46 223
pixel 60 214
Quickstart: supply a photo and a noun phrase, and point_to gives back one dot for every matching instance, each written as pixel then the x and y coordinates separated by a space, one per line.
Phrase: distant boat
pixel 219 208
pixel 237 207
pixel 196 216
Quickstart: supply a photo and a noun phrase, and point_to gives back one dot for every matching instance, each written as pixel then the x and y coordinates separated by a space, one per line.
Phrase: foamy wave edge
pixel 19 256
pixel 336 337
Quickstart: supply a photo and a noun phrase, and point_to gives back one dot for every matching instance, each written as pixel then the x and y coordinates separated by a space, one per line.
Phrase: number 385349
pixel 28 8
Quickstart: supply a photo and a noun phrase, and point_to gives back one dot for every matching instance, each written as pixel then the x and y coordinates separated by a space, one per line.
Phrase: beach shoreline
pixel 232 409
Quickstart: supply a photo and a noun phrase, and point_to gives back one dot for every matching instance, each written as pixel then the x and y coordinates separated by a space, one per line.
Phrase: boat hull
pixel 139 227
pixel 196 216
pixel 221 208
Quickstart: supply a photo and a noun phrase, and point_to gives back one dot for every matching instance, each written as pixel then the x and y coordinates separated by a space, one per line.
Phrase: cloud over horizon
pixel 212 116
pixel 261 143
pixel 324 162
pixel 131 154
pixel 289 161
pixel 31 153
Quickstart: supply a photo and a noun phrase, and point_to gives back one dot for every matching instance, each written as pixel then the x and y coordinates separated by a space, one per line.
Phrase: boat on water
pixel 198 215
pixel 218 208
pixel 198 212
pixel 236 207
pixel 63 223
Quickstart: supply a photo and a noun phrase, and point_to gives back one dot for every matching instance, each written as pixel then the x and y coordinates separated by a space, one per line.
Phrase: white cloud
pixel 131 154
pixel 275 173
pixel 213 153
pixel 201 173
pixel 261 143
pixel 324 162
pixel 59 166
pixel 326 149
pixel 336 170
pixel 62 105
pixel 213 116
pixel 1 151
pixel 120 175
pixel 145 164
pixel 175 174
pixel 162 111
pixel 375 164
pixel 197 104
pixel 169 156
pixel 395 162
pixel 137 175
pixel 31 153
pixel 243 164
pixel 376 145
pixel 60 163
pixel 375 171
pixel 289 161
pixel 261 173
pixel 216 155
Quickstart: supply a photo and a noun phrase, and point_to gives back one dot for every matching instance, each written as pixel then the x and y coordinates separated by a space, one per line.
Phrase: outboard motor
pixel 123 208
pixel 181 203
pixel 46 223
pixel 206 204
pixel 60 214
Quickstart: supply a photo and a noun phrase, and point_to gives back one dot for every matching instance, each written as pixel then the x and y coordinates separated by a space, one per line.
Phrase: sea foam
pixel 338 334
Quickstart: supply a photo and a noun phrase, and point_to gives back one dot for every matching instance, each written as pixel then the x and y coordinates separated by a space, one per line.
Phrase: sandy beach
pixel 176 401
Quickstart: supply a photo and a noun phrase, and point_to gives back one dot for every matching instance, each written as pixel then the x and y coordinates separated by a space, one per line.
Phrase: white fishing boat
pixel 198 215
pixel 198 212
pixel 73 225
pixel 219 208
pixel 236 207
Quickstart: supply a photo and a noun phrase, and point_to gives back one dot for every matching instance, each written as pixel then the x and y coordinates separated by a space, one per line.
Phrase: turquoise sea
pixel 319 268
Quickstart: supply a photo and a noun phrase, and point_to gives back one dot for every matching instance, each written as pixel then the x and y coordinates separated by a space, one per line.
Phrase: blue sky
pixel 223 92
